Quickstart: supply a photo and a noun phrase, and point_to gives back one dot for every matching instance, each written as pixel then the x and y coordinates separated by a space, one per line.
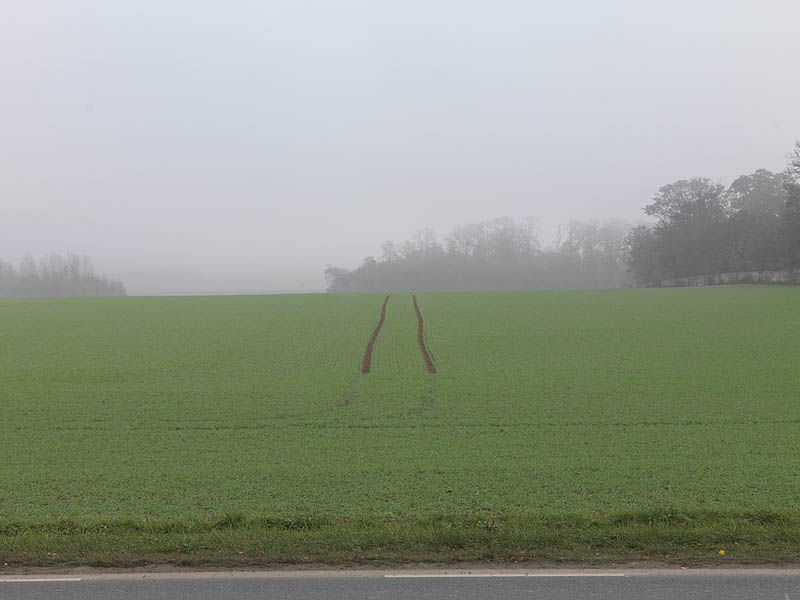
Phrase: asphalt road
pixel 416 585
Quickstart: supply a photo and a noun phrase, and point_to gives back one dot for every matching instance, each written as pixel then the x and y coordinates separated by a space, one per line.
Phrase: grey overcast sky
pixel 195 146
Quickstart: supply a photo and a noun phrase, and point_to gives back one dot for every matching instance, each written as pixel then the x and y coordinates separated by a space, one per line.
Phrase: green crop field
pixel 589 425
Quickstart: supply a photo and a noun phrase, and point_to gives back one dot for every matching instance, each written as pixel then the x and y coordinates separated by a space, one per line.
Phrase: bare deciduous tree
pixel 56 275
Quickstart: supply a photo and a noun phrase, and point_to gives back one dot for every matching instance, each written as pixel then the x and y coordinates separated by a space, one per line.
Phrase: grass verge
pixel 682 538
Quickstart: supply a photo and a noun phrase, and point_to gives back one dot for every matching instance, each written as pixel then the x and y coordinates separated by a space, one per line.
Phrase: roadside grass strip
pixel 671 538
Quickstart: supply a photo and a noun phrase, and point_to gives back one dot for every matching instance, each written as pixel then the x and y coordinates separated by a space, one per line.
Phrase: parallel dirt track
pixel 426 356
pixel 366 364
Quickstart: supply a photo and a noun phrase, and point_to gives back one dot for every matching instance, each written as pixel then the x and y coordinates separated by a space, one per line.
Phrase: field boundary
pixel 698 538
pixel 423 348
pixel 366 364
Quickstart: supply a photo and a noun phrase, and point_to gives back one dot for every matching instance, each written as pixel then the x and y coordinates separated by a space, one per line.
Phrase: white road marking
pixel 40 580
pixel 178 574
pixel 443 575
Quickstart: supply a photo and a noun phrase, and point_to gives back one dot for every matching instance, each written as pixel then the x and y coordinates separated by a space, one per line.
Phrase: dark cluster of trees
pixel 700 228
pixel 55 275
pixel 496 255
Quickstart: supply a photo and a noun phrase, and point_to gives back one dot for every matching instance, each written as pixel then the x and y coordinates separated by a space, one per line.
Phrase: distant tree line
pixel 55 275
pixel 502 254
pixel 703 228
pixel 700 228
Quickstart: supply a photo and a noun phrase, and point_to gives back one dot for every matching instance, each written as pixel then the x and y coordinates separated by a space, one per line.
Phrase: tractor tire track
pixel 423 348
pixel 366 364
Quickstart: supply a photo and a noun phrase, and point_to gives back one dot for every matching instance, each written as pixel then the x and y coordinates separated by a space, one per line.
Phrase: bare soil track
pixel 426 356
pixel 366 365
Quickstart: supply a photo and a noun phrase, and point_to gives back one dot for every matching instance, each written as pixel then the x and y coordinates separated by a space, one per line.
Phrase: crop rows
pixel 549 403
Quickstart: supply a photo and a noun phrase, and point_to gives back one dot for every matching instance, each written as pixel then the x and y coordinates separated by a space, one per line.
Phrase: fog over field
pixel 193 147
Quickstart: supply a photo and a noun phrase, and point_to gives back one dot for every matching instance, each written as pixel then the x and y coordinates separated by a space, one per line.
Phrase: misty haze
pixel 201 148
